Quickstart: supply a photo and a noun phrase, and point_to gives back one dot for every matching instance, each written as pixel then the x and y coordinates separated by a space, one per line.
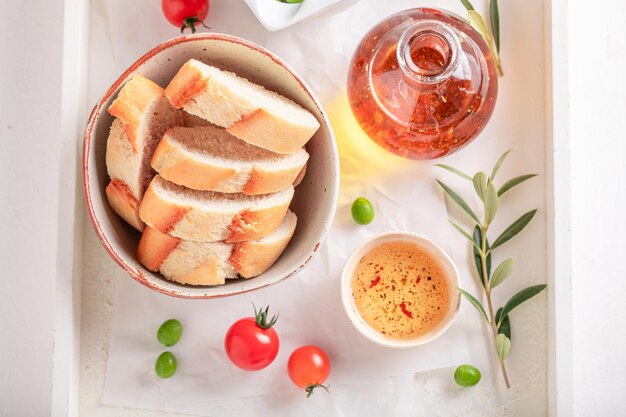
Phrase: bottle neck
pixel 428 52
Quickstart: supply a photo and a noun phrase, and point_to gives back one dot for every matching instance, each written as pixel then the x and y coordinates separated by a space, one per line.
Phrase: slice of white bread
pixel 248 111
pixel 210 263
pixel 208 216
pixel 211 159
pixel 143 114
pixel 300 176
pixel 190 120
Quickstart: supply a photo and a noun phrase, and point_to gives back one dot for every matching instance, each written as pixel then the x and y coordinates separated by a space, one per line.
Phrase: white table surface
pixel 34 255
pixel 120 32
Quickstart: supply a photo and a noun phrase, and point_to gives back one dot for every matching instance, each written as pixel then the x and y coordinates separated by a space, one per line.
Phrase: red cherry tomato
pixel 308 368
pixel 185 13
pixel 252 343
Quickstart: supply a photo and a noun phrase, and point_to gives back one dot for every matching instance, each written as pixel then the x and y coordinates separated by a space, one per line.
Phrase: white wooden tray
pixel 92 54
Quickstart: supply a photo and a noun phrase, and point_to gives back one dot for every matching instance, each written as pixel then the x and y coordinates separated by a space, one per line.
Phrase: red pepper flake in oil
pixel 375 281
pixel 417 281
pixel 405 311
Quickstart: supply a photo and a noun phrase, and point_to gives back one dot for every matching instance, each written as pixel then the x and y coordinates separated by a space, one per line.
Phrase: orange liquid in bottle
pixel 422 83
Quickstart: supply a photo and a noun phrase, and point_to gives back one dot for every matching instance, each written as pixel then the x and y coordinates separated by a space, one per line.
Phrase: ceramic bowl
pixel 275 15
pixel 315 199
pixel 445 263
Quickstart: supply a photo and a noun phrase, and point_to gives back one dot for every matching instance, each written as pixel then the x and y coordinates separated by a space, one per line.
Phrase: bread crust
pixel 154 247
pixel 251 259
pixel 255 224
pixel 173 164
pixel 204 274
pixel 131 104
pixel 300 176
pixel 142 115
pixel 262 181
pixel 192 223
pixel 160 214
pixel 176 165
pixel 123 164
pixel 243 118
pixel 123 203
pixel 263 129
pixel 247 259
pixel 186 84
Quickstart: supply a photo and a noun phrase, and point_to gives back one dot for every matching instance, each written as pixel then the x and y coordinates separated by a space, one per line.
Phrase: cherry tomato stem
pixel 261 317
pixel 191 22
pixel 309 390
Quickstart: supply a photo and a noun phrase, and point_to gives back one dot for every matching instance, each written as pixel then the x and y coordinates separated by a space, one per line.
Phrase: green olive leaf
pixel 475 303
pixel 454 171
pixel 491 203
pixel 502 272
pixel 459 201
pixel 503 346
pixel 499 163
pixel 464 233
pixel 478 235
pixel 505 327
pixel 494 16
pixel 478 23
pixel 480 184
pixel 514 229
pixel 519 298
pixel 467 5
pixel 513 182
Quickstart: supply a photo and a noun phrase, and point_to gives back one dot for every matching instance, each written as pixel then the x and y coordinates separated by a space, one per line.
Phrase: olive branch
pixel 491 36
pixel 490 196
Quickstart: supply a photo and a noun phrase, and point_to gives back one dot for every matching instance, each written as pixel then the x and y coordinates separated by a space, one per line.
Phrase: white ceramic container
pixel 450 272
pixel 275 15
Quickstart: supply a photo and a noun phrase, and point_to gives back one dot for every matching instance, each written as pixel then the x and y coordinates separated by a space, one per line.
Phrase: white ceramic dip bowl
pixel 443 260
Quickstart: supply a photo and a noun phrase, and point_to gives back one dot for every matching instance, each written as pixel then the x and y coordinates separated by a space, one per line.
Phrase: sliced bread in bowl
pixel 248 111
pixel 209 158
pixel 208 216
pixel 211 263
pixel 300 176
pixel 143 115
pixel 191 120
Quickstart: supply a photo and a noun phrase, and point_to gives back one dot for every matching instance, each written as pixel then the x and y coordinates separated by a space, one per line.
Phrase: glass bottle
pixel 422 83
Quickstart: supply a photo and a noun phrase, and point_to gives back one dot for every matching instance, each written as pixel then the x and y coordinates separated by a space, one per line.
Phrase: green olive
pixel 165 366
pixel 362 211
pixel 170 332
pixel 467 376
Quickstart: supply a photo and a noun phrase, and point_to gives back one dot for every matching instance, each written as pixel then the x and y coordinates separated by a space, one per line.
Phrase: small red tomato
pixel 252 343
pixel 308 368
pixel 186 13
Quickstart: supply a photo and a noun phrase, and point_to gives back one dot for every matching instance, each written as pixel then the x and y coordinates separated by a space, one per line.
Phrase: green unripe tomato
pixel 467 376
pixel 170 332
pixel 362 211
pixel 165 366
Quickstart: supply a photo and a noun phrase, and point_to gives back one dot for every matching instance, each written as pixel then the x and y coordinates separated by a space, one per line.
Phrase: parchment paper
pixel 405 198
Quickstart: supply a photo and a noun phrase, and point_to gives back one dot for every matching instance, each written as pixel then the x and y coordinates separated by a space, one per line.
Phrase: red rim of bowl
pixel 138 275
